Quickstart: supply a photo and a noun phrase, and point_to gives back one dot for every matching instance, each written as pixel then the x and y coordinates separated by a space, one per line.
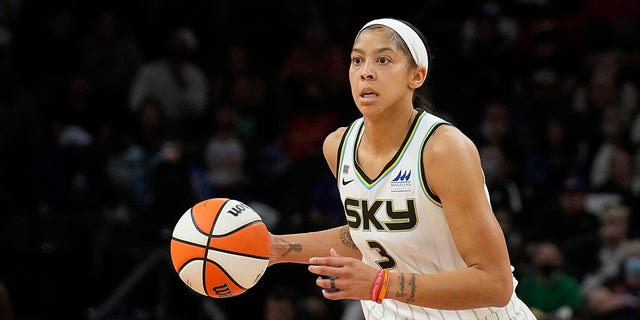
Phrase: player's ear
pixel 418 77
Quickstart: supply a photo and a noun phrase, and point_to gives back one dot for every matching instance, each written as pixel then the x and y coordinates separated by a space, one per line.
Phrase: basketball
pixel 220 247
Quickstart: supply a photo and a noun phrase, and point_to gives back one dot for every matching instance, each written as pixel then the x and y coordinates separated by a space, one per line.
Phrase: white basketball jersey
pixel 396 221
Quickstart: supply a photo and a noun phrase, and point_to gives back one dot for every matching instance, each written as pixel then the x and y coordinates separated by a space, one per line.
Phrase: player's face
pixel 379 74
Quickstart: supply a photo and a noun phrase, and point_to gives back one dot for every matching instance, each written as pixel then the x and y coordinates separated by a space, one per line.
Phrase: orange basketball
pixel 220 247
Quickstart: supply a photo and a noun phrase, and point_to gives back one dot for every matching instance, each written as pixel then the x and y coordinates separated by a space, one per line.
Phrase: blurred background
pixel 117 116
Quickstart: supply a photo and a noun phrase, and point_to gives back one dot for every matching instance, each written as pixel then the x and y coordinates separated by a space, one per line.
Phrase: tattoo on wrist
pixel 296 247
pixel 412 284
pixel 345 236
pixel 401 294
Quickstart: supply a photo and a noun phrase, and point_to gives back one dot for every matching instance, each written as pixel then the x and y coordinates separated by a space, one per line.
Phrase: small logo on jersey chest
pixel 402 181
pixel 346 182
pixel 345 171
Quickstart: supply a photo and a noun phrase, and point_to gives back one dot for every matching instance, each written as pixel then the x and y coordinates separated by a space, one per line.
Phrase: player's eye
pixel 356 60
pixel 383 60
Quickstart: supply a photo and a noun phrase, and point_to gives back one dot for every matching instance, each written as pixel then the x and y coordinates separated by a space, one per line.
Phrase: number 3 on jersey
pixel 387 262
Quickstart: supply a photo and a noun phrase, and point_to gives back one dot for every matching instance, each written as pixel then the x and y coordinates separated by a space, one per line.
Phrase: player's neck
pixel 387 133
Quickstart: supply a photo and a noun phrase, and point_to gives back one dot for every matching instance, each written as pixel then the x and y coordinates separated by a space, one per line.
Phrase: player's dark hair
pixel 424 40
pixel 420 100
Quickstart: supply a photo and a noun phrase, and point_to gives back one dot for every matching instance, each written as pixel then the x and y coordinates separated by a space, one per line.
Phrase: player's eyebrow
pixel 377 51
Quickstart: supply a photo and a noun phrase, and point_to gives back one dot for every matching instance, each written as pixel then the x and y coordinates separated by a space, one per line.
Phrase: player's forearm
pixel 462 289
pixel 299 247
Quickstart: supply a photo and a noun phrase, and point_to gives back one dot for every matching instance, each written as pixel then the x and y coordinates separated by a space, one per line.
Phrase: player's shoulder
pixel 448 140
pixel 335 136
pixel 330 147
pixel 333 139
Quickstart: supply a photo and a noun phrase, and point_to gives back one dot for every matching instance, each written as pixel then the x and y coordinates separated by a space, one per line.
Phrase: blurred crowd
pixel 117 116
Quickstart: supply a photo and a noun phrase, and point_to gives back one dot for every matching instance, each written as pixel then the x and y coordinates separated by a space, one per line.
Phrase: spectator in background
pixel 546 77
pixel 305 129
pixel 280 304
pixel 171 187
pixel 240 83
pixel 614 141
pixel 619 298
pixel 568 222
pixel 149 127
pixel 548 290
pixel 238 80
pixel 240 90
pixel 548 161
pixel 500 157
pixel 315 59
pixel 177 81
pixel 110 56
pixel 605 117
pixel 514 236
pixel 623 182
pixel 129 165
pixel 614 244
pixel 51 54
pixel 503 189
pixel 495 128
pixel 225 156
pixel 487 36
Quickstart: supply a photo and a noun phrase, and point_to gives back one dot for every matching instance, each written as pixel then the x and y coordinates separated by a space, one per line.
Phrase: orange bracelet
pixel 384 287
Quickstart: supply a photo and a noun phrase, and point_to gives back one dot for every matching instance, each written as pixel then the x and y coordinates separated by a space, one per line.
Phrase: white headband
pixel 409 36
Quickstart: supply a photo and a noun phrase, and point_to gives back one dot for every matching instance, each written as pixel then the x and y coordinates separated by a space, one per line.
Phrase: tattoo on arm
pixel 412 284
pixel 296 247
pixel 401 295
pixel 345 236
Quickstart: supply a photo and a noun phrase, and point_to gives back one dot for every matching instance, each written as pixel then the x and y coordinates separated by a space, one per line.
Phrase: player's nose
pixel 367 72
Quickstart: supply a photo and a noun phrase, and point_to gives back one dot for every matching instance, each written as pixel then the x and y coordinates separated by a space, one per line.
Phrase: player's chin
pixel 370 111
pixel 365 104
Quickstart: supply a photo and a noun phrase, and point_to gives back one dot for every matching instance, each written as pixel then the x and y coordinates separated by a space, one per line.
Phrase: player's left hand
pixel 353 277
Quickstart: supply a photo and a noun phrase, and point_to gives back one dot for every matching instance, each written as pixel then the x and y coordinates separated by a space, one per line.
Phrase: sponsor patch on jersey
pixel 402 182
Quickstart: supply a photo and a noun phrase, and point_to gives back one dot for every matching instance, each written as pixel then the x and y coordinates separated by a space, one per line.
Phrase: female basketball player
pixel 421 240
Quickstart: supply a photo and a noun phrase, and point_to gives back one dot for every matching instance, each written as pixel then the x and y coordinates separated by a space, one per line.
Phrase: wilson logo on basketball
pixel 238 209
pixel 222 290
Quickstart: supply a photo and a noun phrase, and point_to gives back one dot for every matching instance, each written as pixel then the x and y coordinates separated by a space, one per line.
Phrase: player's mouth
pixel 367 95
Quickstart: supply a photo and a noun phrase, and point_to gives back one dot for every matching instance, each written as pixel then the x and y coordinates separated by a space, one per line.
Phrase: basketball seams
pixel 187 262
pixel 195 244
pixel 215 219
pixel 246 225
pixel 238 254
pixel 193 220
pixel 227 274
pixel 206 251
pixel 247 232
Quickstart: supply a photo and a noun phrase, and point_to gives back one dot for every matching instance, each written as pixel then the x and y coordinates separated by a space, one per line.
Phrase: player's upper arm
pixel 330 148
pixel 454 173
pixel 453 168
